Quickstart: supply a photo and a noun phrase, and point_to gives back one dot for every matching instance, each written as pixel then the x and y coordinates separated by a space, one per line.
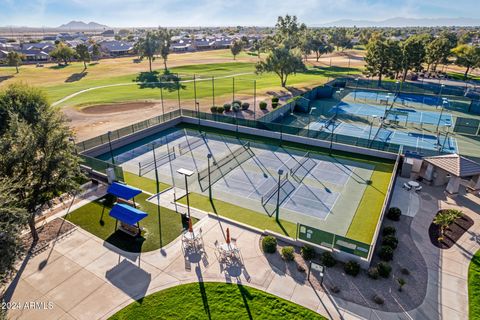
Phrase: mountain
pixel 80 25
pixel 405 22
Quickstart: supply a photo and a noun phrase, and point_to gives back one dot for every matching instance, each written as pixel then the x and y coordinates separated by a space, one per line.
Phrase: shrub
pixel 394 213
pixel 274 105
pixel 401 283
pixel 308 253
pixel 275 100
pixel 245 106
pixel 235 108
pixel 386 253
pixel 263 105
pixel 237 102
pixel 328 260
pixel 269 244
pixel 377 299
pixel 287 253
pixel 220 109
pixel 213 109
pixel 373 273
pixel 405 271
pixel 227 107
pixel 390 241
pixel 352 268
pixel 384 269
pixel 389 231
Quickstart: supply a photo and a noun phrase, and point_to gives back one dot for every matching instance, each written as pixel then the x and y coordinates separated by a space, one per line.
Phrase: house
pixel 223 43
pixel 41 46
pixel 116 48
pixel 3 54
pixel 35 55
pixel 108 34
pixel 181 45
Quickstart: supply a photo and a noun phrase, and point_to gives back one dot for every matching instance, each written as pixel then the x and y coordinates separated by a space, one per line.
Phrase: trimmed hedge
pixel 390 241
pixel 386 253
pixel 288 253
pixel 384 269
pixel 269 244
pixel 245 106
pixel 389 231
pixel 263 105
pixel 394 213
pixel 307 252
pixel 352 268
pixel 328 260
pixel 213 109
pixel 220 109
pixel 227 107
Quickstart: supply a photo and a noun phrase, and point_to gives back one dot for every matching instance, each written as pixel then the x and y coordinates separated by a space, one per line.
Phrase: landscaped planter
pixel 451 234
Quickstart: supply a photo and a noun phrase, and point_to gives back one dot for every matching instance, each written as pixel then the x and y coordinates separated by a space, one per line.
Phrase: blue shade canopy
pixel 123 191
pixel 127 214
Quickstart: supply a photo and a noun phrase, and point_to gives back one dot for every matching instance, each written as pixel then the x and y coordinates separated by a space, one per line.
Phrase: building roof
pixel 127 214
pixel 455 164
pixel 115 45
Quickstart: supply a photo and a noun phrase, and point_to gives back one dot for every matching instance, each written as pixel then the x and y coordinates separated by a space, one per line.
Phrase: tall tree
pixel 35 149
pixel 96 54
pixel 147 47
pixel 306 45
pixel 236 48
pixel 62 52
pixel 13 220
pixel 468 57
pixel 413 54
pixel 283 62
pixel 165 40
pixel 341 39
pixel 320 45
pixel 289 31
pixel 83 54
pixel 14 59
pixel 377 59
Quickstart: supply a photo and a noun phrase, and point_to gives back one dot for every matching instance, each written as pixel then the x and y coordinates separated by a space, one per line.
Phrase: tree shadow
pixel 246 296
pixel 203 292
pixel 76 77
pixel 59 66
pixel 5 78
pixel 151 80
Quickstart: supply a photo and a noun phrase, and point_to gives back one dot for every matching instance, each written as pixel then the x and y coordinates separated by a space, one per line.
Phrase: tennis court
pixel 403 98
pixel 401 114
pixel 316 190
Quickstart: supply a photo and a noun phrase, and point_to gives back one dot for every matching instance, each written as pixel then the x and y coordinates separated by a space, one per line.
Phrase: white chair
pixel 418 189
pixel 407 186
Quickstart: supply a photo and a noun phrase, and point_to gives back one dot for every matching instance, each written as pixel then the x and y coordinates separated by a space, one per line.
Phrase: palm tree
pixel 443 219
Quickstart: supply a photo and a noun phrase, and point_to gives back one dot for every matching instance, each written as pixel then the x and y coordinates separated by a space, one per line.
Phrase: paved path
pixel 86 278
pixel 137 83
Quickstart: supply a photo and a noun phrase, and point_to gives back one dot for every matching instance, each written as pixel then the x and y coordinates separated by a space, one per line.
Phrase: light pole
pixel 209 156
pixel 277 211
pixel 197 106
pixel 356 88
pixel 310 120
pixel 440 93
pixel 110 146
pixel 397 83
pixel 371 124
pixel 444 102
pixel 446 137
pixel 331 137
pixel 186 173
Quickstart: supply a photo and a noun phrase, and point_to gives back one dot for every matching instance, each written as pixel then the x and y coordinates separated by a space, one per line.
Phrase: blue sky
pixel 123 13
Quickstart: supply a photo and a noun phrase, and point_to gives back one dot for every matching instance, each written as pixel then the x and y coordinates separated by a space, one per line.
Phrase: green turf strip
pixel 474 287
pixel 213 301
pixel 94 218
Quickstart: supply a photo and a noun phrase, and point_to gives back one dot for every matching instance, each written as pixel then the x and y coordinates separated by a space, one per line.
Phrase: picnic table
pixel 413 184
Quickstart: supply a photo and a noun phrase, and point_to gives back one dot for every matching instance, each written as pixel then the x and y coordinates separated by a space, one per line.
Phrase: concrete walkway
pixel 86 278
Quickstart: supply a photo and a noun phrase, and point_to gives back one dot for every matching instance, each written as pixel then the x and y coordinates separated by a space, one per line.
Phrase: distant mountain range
pixel 80 25
pixel 404 22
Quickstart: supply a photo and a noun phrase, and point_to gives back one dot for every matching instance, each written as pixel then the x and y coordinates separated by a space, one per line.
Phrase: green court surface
pixel 341 194
pixel 94 218
pixel 146 184
pixel 206 300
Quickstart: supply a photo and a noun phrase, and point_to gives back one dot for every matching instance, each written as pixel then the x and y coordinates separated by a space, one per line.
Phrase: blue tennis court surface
pixel 411 115
pixel 410 139
pixel 402 98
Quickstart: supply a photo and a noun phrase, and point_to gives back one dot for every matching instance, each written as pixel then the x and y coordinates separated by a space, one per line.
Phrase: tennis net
pixel 150 164
pixel 223 166
pixel 191 143
pixel 281 192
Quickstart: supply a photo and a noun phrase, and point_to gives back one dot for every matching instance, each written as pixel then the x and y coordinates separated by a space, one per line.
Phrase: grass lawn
pixel 143 183
pixel 368 212
pixel 213 301
pixel 94 218
pixel 474 287
pixel 460 76
pixel 223 86
pixel 246 216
